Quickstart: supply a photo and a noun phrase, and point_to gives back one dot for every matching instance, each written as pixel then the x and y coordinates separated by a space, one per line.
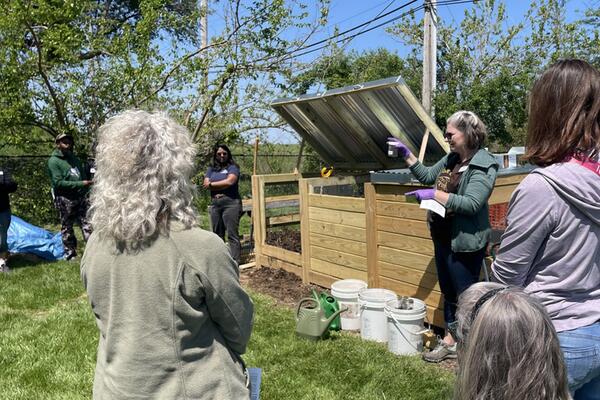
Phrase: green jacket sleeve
pixel 476 194
pixel 428 175
pixel 59 181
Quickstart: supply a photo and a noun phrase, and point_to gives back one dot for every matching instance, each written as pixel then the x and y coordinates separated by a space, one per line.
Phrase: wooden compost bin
pixel 380 238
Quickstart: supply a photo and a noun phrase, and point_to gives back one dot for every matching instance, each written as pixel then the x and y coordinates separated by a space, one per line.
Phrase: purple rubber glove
pixel 403 151
pixel 422 194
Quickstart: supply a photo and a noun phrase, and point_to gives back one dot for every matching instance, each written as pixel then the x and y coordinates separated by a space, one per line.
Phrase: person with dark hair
pixel 226 203
pixel 165 294
pixel 551 246
pixel 507 347
pixel 7 186
pixel 70 186
pixel 464 180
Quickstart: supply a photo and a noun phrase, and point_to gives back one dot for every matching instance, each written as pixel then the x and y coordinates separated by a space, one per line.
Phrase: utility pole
pixel 203 23
pixel 429 64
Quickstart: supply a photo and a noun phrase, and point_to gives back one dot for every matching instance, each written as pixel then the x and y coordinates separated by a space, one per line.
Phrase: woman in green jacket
pixel 464 180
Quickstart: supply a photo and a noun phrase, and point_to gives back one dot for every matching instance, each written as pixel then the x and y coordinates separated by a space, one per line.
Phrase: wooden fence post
pixel 371 231
pixel 303 189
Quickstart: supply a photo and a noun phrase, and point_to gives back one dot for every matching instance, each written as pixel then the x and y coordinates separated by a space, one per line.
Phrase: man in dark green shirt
pixel 70 186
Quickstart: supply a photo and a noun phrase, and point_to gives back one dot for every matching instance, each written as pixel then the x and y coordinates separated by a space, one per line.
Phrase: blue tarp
pixel 26 238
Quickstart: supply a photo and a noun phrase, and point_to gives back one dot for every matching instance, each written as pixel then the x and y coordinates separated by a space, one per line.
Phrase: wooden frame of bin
pixel 381 238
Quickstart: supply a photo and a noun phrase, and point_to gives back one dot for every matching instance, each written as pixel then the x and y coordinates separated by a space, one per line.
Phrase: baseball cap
pixel 62 136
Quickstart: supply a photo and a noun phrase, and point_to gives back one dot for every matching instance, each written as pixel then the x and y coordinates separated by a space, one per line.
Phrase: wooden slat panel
pixel 283 219
pixel 337 217
pixel 342 203
pixel 337 257
pixel 343 245
pixel 336 271
pixel 407 259
pixel 403 226
pixel 280 178
pixel 329 229
pixel 321 280
pixel 501 194
pixel 401 210
pixel 402 242
pixel 409 275
pixel 282 254
pixel 435 316
pixel 430 297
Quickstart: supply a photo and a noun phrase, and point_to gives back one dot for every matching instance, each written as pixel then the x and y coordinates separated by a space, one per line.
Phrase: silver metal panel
pixel 349 126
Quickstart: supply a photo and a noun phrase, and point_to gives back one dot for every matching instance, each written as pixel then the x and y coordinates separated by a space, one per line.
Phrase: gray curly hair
pixel 508 347
pixel 144 162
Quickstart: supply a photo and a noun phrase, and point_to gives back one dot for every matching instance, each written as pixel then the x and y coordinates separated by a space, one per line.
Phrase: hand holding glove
pixel 422 194
pixel 403 151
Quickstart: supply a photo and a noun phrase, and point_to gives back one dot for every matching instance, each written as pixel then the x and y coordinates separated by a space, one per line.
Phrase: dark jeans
pixel 72 211
pixel 225 214
pixel 456 272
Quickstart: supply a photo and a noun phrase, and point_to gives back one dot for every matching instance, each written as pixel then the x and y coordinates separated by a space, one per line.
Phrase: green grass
pixel 48 343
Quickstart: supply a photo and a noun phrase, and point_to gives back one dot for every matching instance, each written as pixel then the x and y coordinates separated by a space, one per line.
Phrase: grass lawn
pixel 48 344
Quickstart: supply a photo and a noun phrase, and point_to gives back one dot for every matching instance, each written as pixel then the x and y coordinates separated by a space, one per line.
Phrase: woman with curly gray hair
pixel 172 316
pixel 508 348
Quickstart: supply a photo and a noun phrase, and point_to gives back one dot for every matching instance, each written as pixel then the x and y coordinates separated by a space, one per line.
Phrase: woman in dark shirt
pixel 226 204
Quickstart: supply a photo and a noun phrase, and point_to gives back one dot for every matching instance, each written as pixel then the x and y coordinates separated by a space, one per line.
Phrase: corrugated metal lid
pixel 349 126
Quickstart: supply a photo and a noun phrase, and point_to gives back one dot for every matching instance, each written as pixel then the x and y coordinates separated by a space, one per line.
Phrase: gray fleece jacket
pixel 551 246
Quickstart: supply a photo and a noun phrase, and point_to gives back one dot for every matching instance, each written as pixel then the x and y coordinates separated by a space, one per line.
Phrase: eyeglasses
pixel 219 153
pixel 448 135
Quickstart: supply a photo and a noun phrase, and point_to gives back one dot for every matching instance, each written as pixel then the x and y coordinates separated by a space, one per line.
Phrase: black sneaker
pixel 70 256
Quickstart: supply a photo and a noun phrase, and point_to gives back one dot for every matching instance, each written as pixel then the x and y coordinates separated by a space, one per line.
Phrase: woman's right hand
pixel 403 150
pixel 206 183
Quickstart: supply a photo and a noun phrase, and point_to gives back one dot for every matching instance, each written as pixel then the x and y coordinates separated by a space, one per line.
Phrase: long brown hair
pixel 564 113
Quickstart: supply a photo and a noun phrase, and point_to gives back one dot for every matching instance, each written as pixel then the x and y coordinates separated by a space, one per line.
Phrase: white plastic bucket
pixel 346 293
pixel 405 327
pixel 373 322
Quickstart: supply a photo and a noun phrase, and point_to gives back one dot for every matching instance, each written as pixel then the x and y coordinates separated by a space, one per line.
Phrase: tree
pixel 487 64
pixel 69 65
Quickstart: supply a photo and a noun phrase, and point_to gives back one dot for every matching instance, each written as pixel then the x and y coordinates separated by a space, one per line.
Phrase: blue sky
pixel 345 14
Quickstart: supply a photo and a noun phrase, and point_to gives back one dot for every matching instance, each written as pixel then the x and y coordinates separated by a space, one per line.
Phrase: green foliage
pixel 33 200
pixel 488 63
pixel 48 339
pixel 69 65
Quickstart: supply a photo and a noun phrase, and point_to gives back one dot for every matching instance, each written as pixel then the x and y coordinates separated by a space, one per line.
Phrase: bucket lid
pixel 348 286
pixel 376 295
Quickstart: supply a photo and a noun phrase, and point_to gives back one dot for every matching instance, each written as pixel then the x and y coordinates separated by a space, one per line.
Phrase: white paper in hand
pixel 435 206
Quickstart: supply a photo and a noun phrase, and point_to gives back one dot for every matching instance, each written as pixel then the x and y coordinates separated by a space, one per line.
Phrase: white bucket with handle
pixel 405 318
pixel 346 293
pixel 373 322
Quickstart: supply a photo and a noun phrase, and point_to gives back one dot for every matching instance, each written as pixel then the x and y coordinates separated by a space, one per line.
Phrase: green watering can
pixel 330 305
pixel 311 321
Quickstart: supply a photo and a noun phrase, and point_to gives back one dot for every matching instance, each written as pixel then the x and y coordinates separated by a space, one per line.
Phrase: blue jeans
pixel 456 272
pixel 581 349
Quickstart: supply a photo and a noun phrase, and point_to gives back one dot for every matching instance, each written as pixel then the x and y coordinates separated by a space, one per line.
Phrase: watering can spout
pixel 329 320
